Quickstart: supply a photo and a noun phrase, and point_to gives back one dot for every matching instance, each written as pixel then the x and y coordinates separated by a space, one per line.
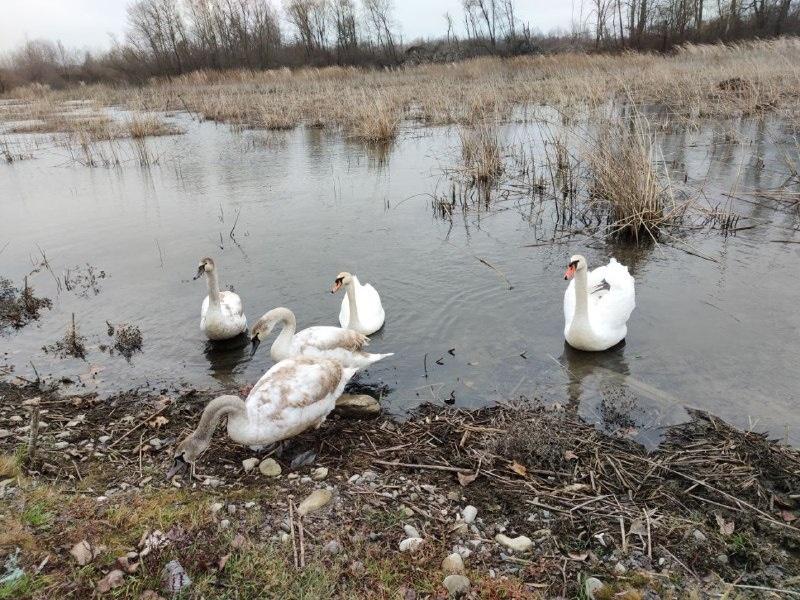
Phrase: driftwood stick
pixel 428 467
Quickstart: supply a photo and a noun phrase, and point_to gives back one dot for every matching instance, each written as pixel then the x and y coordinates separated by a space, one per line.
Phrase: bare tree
pixel 381 24
pixel 343 15
pixel 309 18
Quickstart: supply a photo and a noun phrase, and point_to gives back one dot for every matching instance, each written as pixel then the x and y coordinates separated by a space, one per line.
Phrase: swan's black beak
pixel 255 342
pixel 179 465
pixel 336 285
pixel 200 271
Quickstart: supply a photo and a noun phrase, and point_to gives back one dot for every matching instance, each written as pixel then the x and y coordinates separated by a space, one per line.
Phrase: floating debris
pixel 72 344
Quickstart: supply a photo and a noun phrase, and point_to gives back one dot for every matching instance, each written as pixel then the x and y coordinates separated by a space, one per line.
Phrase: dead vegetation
pixel 713 510
pixel 19 307
pixel 696 82
pixel 624 184
pixel 72 344
pixel 127 339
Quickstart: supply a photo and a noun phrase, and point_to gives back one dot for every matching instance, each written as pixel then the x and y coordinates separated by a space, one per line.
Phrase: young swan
pixel 597 304
pixel 361 310
pixel 294 395
pixel 343 345
pixel 222 314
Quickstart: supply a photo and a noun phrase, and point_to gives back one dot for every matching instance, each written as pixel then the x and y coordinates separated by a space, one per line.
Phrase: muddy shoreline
pixel 714 509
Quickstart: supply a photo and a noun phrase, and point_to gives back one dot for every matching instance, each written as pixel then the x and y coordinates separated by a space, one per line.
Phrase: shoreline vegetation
pixel 599 117
pixel 561 506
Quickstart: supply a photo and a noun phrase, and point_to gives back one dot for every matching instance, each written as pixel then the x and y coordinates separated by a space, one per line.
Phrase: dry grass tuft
pixel 481 153
pixel 625 186
pixel 374 119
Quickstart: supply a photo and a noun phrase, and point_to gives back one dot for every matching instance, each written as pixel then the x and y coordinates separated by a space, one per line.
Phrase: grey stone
pixel 457 585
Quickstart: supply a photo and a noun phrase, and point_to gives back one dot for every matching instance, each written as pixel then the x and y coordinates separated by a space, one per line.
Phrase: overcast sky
pixel 91 23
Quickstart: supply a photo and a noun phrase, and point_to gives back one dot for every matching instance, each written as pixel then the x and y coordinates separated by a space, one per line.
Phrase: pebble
pixel 411 544
pixel 319 473
pixel 457 585
pixel 354 479
pixel 360 405
pixel 224 524
pixel 469 513
pixel 411 531
pixel 722 559
pixel 104 438
pixel 269 467
pixel 248 464
pixel 174 578
pixel 60 445
pixel 453 564
pixel 591 586
pixel 620 569
pixel 249 505
pixel 114 579
pixel 332 547
pixel 314 501
pixel 216 507
pixel 231 509
pixel 518 544
pixel 369 476
pixel 156 443
pixel 4 433
pixel 699 535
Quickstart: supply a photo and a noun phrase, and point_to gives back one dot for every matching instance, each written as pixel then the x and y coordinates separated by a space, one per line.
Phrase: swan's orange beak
pixel 570 272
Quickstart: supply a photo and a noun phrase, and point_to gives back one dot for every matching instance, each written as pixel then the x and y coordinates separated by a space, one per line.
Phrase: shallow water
pixel 720 335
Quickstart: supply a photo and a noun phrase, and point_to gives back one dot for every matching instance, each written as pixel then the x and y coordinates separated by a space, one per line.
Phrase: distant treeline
pixel 171 37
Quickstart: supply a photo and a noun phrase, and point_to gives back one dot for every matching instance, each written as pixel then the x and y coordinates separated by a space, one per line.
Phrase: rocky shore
pixel 506 502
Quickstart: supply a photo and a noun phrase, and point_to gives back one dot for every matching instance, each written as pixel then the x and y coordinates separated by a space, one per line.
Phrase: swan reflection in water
pixel 227 358
pixel 602 391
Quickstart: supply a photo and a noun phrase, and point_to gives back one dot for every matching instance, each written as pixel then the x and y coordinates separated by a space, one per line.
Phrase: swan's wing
pixel 231 304
pixel 370 300
pixel 204 307
pixel 612 296
pixel 296 383
pixel 329 338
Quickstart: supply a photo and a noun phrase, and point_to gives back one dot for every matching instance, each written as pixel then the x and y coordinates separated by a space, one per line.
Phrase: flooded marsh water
pixel 716 324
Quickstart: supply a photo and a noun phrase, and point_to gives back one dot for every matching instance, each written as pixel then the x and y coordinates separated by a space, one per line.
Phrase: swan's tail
pixel 373 358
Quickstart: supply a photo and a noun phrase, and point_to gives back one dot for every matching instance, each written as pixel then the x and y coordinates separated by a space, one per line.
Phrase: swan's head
pixel 206 266
pixel 342 279
pixel 264 327
pixel 576 263
pixel 187 453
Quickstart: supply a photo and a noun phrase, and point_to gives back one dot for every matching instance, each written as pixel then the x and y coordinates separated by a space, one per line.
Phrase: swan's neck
pixel 214 411
pixel 213 288
pixel 581 317
pixel 282 346
pixel 351 300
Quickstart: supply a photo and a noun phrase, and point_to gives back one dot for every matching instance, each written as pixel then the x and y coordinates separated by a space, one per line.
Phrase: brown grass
pixel 625 182
pixel 695 82
pixel 481 153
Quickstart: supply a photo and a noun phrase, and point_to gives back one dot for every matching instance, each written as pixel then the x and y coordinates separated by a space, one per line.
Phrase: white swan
pixel 343 345
pixel 362 310
pixel 294 395
pixel 222 314
pixel 597 304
